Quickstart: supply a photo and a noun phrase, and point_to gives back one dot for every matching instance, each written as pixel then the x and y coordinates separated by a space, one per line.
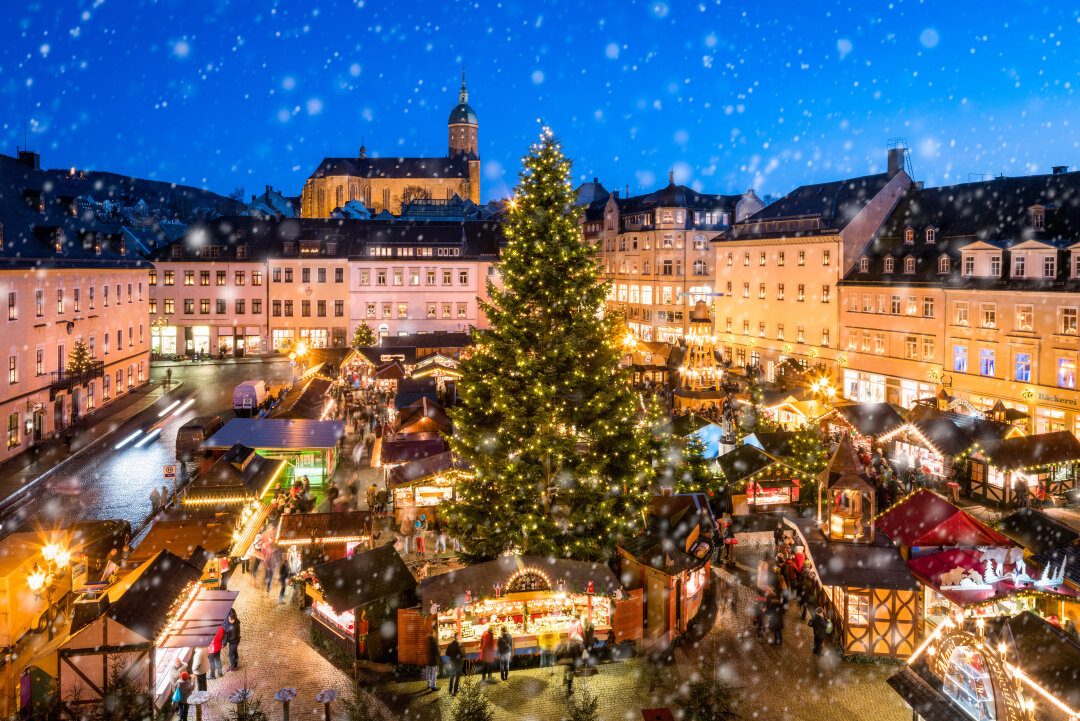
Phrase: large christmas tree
pixel 550 425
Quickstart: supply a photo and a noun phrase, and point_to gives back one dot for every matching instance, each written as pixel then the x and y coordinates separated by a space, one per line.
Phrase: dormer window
pixel 943 264
pixel 97 243
pixel 909 265
pixel 58 240
pixel 931 235
pixel 1038 218
pixel 211 251
pixel 1019 266
pixel 864 265
pixel 241 252
pixel 123 247
pixel 969 265
pixel 909 236
pixel 995 266
pixel 889 263
pixel 177 251
pixel 331 248
pixel 289 248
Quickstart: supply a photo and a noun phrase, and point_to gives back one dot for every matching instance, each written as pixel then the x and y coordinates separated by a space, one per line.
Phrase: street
pixel 108 483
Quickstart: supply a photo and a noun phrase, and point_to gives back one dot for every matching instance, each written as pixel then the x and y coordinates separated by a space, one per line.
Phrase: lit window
pixel 1025 315
pixel 960 356
pixel 1023 367
pixel 986 361
pixel 1068 321
pixel 1066 375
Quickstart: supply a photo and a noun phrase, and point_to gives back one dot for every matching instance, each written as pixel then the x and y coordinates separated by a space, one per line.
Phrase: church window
pixel 386 198
pixel 340 196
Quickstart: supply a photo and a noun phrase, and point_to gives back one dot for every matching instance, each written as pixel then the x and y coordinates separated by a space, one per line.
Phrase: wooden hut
pixel 760 482
pixel 846 497
pixel 1044 465
pixel 419 486
pixel 323 537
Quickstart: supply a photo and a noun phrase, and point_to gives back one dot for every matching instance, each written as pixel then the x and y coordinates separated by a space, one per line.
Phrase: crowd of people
pixel 788 578
pixel 204 664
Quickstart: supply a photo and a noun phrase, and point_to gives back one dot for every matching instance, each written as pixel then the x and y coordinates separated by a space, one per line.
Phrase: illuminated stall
pixel 923 522
pixel 866 422
pixel 530 595
pixel 308 399
pixel 323 537
pixel 1044 464
pixel 355 595
pixel 846 497
pixel 239 477
pixel 420 486
pixel 767 484
pixel 311 448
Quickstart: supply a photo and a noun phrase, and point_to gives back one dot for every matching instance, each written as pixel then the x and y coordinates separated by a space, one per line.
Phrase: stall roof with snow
pixel 1037 532
pixel 364 577
pixel 870 419
pixel 860 565
pixel 926 519
pixel 1022 452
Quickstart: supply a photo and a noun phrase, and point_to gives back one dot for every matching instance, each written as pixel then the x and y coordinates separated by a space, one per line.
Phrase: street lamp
pixel 43 581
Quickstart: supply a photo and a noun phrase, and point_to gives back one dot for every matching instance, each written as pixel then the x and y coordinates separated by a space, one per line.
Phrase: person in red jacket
pixel 487 653
pixel 214 651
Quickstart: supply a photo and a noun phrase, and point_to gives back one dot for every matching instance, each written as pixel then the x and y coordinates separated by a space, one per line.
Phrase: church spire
pixel 463 94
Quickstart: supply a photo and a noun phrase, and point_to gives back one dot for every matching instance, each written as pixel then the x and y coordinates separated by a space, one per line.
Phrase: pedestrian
pixel 213 651
pixel 487 653
pixel 431 671
pixel 456 657
pixel 164 497
pixel 168 376
pixel 183 690
pixel 547 641
pixel 774 616
pixel 284 574
pixel 421 531
pixel 407 530
pixel 778 534
pixel 575 638
pixel 505 647
pixel 822 627
pixel 440 540
pixel 200 666
pixel 155 501
pixel 232 637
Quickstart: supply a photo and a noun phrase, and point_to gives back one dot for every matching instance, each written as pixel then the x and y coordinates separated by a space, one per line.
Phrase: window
pixel 928 307
pixel 403 310
pixel 800 333
pixel 13 430
pixel 911 347
pixel 1023 367
pixel 959 358
pixel 864 265
pixel 700 267
pixel 92 297
pixel 928 348
pixel 912 305
pixel 745 290
pixel 447 277
pixel 1038 219
pixel 881 306
pixel 995 266
pixel 931 235
pixel 761 291
pixel 761 258
pixel 943 264
pixel 780 259
pixel 59 301
pixel 447 309
pixel 256 277
pixel 1066 373
pixel 39 359
pixel 1068 321
pixel 986 361
pixel 801 293
pixel 699 242
pixel 12 311
pixel 204 306
pixel 909 236
pixel 320 275
pixel 802 257
pixel 746 327
pixel 13 369
pixel 288 307
pixel 961 313
pixel 222 277
pixel 462 310
pixel 969 265
pixel 39 303
pixel 339 275
pixel 153 306
pixel 204 277
pixel 189 306
pixel 105 295
pixel 239 306
pixel 825 257
pixel 909 265
pixel 825 338
pixel 779 331
pixel 305 309
pixel 867 303
pixel 989 315
pixel 240 278
pixel 780 291
pixel 666 268
pixel 761 329
pixel 825 294
pixel 1049 266
pixel 463 277
pixel 320 308
pixel 888 266
pixel 746 259
pixel 1025 315
pixel 241 252
pixel 189 277
pixel 729 259
pixel 1019 266
pixel 288 275
pixel 305 275
pixel 153 277
pixel 370 310
pixel 275 308
pixel 170 306
pixel 431 310
pixel 380 277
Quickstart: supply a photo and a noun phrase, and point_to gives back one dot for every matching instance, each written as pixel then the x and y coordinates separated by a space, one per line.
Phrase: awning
pixel 248 532
pixel 198 623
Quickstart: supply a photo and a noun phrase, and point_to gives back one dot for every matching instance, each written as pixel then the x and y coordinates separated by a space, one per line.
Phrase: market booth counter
pixel 309 447
pixel 530 595
pixel 768 483
pixel 354 597
pixel 150 617
pixel 1044 464
pixel 323 537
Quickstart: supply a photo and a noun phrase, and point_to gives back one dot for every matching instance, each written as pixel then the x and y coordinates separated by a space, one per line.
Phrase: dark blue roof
pixel 277 433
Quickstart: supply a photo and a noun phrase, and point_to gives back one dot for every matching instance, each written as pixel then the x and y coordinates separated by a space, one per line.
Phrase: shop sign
pixel 1056 399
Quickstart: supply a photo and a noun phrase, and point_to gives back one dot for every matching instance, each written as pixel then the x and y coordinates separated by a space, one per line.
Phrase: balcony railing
pixel 65 380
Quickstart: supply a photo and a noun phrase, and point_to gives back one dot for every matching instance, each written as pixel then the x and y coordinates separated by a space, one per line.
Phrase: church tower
pixel 463 127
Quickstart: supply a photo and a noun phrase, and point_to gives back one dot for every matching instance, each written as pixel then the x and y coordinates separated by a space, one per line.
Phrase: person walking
pixel 284 574
pixel 456 657
pixel 155 502
pixel 505 647
pixel 213 652
pixel 778 534
pixel 421 531
pixel 575 636
pixel 407 531
pixel 164 497
pixel 200 666
pixel 547 641
pixel 821 627
pixel 487 653
pixel 184 688
pixel 232 637
pixel 431 671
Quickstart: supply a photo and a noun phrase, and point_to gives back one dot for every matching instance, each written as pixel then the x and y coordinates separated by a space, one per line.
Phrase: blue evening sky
pixel 730 95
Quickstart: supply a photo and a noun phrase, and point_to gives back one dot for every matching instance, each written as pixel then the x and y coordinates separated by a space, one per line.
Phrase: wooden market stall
pixel 324 537
pixel 669 562
pixel 866 422
pixel 1045 465
pixel 239 477
pixel 441 367
pixel 530 595
pixel 144 622
pixel 307 400
pixel 311 448
pixel 422 416
pixel 356 595
pixel 923 522
pixel 420 486
pixel 1036 532
pixel 846 497
pixel 930 440
pixel 760 482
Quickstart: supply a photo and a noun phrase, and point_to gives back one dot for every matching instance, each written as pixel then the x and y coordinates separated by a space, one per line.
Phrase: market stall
pixel 420 486
pixel 238 477
pixel 923 522
pixel 846 498
pixel 1036 532
pixel 760 482
pixel 437 365
pixel 422 416
pixel 353 595
pixel 866 422
pixel 527 594
pixel 1044 465
pixel 311 448
pixel 323 537
pixel 308 399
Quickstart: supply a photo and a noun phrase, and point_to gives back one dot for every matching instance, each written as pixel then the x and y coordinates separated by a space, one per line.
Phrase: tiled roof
pixel 364 577
pixel 393 168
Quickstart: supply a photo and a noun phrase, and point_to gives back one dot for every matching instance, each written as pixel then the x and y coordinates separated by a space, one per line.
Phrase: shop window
pixel 1066 374
pixel 858 609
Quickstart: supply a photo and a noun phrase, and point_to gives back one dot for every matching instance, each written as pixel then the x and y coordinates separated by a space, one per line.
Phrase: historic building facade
pixel 66 281
pixel 655 250
pixel 778 270
pixel 972 289
pixel 384 184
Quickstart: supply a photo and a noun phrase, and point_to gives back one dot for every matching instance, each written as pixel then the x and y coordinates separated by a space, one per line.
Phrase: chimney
pixel 896 160
pixel 596 181
pixel 29 157
pixel 268 192
pixel 671 177
pixel 1061 169
pixel 627 190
